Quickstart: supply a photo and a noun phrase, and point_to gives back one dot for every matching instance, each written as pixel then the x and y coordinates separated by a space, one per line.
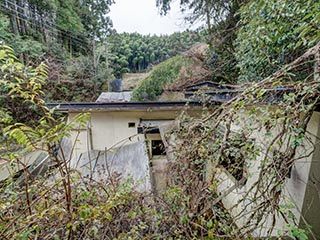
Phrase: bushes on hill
pixel 162 74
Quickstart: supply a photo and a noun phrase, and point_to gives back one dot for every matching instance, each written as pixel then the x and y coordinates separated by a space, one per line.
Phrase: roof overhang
pixel 128 106
pixel 271 96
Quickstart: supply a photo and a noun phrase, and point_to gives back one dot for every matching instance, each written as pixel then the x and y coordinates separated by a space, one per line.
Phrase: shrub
pixel 161 75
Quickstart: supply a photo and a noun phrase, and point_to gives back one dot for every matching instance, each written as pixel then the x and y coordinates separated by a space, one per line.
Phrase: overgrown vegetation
pixel 274 37
pixel 75 40
pixel 249 40
pixel 269 127
pixel 63 204
pixel 161 75
pixel 67 36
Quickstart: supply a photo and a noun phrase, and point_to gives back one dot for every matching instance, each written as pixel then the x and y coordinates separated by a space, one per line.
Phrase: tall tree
pixel 94 17
pixel 221 20
pixel 209 11
pixel 75 23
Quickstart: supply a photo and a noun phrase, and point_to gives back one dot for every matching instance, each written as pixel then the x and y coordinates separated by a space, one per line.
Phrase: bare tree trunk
pixel 13 17
pixel 95 58
pixel 14 20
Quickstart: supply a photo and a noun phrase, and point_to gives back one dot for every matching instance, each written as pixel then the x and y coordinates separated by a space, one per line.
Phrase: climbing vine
pixel 252 142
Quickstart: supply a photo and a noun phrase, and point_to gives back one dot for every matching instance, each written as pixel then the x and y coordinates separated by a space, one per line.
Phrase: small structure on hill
pixel 116 85
pixel 106 97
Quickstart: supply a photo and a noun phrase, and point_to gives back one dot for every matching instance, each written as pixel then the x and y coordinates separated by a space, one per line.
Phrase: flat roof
pixel 126 106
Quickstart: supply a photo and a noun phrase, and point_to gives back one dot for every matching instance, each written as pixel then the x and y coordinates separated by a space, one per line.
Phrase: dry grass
pixel 130 80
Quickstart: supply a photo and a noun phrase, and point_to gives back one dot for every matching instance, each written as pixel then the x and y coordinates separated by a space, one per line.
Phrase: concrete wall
pixel 309 179
pixel 110 129
pixel 9 169
pixel 128 162
pixel 107 130
pixel 301 189
pixel 104 130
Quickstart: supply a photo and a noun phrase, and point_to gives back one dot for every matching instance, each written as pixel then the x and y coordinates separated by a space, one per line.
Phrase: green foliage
pixel 67 17
pixel 21 90
pixel 26 119
pixel 251 43
pixel 101 211
pixel 59 33
pixel 25 84
pixel 256 137
pixel 94 17
pixel 77 80
pixel 5 34
pixel 71 206
pixel 133 52
pixel 221 20
pixel 199 10
pixel 15 77
pixel 25 46
pixel 274 33
pixel 66 205
pixel 42 30
pixel 31 50
pixel 161 75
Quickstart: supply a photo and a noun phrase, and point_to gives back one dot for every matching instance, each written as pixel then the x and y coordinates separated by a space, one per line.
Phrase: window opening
pixel 131 124
pixel 237 150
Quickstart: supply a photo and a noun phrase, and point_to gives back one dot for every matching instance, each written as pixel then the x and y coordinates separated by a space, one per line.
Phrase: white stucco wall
pixel 111 129
pixel 107 129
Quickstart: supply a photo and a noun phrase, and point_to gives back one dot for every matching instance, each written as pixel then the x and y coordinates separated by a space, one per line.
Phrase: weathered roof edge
pixel 126 106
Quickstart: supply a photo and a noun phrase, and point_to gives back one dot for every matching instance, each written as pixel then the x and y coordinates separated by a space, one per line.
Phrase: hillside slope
pixel 174 74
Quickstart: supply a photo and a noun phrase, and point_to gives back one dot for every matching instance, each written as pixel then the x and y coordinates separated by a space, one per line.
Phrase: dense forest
pixel 83 51
pixel 135 52
pixel 248 144
pixel 65 35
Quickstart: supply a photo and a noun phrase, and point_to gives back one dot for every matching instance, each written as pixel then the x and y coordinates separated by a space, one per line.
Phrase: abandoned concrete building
pixel 128 138
pixel 126 134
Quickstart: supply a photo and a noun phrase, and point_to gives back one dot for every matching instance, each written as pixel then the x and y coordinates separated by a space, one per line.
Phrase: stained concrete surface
pixel 130 162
